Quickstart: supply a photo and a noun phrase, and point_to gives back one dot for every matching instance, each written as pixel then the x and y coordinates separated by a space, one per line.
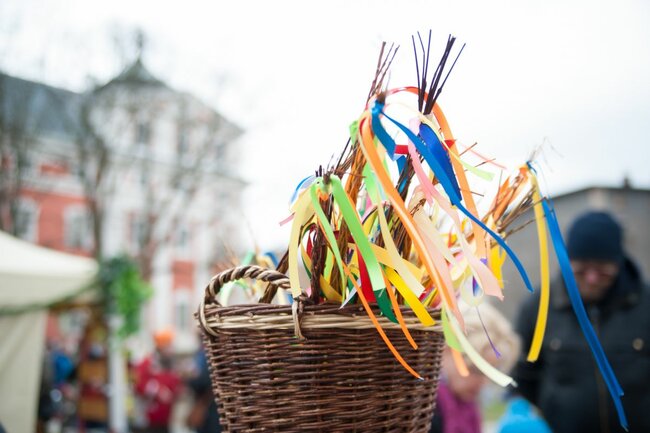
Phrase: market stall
pixel 32 279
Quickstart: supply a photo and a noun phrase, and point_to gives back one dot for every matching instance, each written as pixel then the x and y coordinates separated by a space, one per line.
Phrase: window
pixel 182 144
pixel 144 174
pixel 26 220
pixel 137 232
pixel 77 170
pixel 183 240
pixel 182 314
pixel 220 149
pixel 77 228
pixel 143 132
pixel 27 164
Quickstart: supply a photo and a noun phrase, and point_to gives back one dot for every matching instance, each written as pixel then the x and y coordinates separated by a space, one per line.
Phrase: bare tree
pixel 113 137
pixel 15 144
pixel 118 138
pixel 26 116
pixel 168 197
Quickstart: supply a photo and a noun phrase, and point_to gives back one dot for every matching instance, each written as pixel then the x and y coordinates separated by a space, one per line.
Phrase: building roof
pixel 42 109
pixel 136 74
pixel 624 187
pixel 38 108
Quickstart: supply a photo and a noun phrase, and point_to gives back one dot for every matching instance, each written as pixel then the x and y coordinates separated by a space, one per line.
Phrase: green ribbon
pixel 353 222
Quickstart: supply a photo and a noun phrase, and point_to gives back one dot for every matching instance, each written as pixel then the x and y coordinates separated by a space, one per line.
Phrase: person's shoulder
pixel 644 293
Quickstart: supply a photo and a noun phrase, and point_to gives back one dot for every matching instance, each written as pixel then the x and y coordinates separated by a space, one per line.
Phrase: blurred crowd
pixel 167 392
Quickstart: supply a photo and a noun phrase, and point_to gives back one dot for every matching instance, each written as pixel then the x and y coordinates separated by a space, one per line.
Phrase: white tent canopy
pixel 31 277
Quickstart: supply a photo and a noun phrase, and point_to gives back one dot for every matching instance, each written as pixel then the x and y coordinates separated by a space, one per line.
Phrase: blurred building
pixel 130 166
pixel 631 207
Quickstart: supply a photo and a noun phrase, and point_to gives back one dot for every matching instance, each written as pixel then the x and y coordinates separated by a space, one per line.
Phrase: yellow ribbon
pixel 542 313
pixel 302 214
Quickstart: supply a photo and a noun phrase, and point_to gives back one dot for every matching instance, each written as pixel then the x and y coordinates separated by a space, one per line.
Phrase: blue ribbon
pixel 379 130
pixel 454 197
pixel 271 255
pixel 387 141
pixel 439 152
pixel 401 165
pixel 576 302
pixel 306 182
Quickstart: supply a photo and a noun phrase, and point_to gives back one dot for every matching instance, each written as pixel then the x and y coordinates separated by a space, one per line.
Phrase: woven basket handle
pixel 276 279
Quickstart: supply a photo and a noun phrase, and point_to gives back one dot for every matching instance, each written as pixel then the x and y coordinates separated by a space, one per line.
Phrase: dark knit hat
pixel 595 236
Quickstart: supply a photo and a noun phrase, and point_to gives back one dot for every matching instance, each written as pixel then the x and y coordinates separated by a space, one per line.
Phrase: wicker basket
pixel 314 368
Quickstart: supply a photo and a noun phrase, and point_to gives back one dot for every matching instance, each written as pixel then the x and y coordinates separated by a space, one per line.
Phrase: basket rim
pixel 322 316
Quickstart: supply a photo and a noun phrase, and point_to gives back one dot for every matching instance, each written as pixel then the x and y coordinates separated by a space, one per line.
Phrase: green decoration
pixel 125 292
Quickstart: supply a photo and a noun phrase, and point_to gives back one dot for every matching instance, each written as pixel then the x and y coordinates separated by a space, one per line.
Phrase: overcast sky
pixel 294 74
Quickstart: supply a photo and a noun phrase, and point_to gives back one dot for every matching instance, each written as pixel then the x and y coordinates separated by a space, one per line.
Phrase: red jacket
pixel 158 388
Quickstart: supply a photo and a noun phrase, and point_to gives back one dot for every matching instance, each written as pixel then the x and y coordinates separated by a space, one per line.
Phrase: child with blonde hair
pixel 492 336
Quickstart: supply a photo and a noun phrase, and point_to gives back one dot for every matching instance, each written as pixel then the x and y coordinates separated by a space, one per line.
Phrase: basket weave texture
pixel 315 368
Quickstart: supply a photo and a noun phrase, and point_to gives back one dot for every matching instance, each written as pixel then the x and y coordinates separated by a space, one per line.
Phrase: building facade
pixel 132 166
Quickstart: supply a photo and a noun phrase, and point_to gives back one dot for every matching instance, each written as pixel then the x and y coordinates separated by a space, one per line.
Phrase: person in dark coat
pixel 565 383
